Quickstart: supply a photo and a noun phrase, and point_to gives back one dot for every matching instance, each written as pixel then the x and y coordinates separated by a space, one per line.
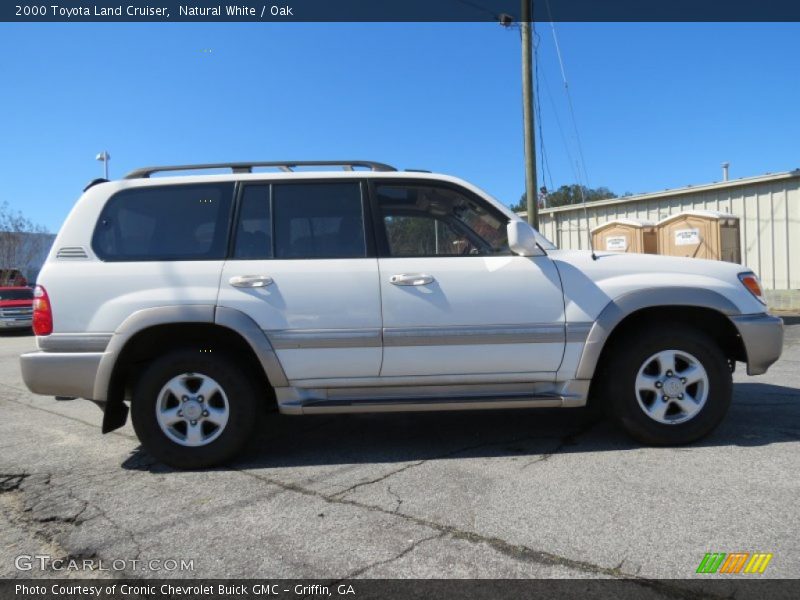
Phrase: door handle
pixel 412 279
pixel 250 281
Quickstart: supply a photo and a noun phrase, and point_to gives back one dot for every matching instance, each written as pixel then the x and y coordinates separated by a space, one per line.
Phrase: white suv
pixel 202 300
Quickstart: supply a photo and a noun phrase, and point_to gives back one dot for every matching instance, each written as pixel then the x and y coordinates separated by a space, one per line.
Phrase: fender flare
pixel 229 318
pixel 626 304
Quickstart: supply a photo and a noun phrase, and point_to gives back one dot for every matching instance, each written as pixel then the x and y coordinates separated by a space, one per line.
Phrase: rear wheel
pixel 192 410
pixel 668 385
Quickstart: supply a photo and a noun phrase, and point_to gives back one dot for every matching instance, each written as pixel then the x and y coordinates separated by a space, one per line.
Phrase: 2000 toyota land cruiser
pixel 203 299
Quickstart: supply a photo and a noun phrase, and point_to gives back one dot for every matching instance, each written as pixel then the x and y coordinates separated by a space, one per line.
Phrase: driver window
pixel 422 220
pixel 410 235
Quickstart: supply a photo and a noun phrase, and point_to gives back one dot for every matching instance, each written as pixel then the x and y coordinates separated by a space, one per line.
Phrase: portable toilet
pixel 701 234
pixel 626 235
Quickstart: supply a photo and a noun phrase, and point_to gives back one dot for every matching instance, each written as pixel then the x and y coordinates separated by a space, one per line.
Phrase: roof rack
pixel 247 167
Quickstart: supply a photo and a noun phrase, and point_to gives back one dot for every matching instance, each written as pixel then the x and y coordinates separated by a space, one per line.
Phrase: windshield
pixel 16 294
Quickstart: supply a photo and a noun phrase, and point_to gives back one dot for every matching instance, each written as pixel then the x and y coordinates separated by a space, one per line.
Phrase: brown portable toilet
pixel 626 235
pixel 701 234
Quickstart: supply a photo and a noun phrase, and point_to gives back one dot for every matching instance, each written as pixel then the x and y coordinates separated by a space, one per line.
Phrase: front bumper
pixel 762 335
pixel 61 373
pixel 16 322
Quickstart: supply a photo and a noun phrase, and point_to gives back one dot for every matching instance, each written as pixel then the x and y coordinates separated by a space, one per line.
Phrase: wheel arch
pixel 150 332
pixel 705 309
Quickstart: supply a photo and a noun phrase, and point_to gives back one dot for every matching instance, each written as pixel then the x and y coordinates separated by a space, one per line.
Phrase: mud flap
pixel 115 416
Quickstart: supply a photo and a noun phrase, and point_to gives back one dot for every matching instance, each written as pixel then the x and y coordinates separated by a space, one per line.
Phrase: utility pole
pixel 527 114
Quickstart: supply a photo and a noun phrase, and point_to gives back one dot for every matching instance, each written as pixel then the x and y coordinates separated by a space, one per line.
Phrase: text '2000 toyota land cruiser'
pixel 202 300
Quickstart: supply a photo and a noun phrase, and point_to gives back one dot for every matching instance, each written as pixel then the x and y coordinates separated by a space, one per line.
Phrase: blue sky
pixel 656 105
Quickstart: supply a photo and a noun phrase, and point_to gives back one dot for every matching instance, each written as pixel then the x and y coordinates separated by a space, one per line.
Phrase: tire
pixel 636 380
pixel 207 431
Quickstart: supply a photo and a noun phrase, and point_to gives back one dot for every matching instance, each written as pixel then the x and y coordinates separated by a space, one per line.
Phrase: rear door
pixel 303 267
pixel 455 300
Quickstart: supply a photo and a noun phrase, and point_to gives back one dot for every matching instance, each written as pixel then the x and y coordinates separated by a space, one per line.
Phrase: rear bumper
pixel 61 373
pixel 762 335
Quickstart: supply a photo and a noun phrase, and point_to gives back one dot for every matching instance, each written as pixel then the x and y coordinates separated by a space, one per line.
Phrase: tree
pixel 21 240
pixel 568 194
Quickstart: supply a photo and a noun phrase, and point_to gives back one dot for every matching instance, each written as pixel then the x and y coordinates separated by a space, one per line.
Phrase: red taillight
pixel 42 312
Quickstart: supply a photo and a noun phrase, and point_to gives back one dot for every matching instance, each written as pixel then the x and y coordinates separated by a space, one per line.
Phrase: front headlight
pixel 753 285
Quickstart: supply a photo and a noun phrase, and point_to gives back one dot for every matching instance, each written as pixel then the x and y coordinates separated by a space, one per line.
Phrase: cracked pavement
pixel 547 493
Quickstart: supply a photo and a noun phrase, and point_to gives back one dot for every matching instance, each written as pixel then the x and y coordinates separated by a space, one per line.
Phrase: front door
pixel 456 301
pixel 300 269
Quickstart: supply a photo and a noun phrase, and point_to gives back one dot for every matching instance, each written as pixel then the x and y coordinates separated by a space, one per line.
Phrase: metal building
pixel 768 207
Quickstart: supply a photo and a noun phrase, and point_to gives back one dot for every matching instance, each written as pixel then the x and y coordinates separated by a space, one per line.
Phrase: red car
pixel 16 307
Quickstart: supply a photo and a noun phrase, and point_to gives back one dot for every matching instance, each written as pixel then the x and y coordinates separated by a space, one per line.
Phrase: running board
pixel 424 404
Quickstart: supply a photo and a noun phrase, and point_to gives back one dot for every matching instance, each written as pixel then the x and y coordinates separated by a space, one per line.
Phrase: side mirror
pixel 522 239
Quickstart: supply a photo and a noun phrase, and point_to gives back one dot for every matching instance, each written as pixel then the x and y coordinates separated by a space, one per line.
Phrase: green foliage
pixel 568 194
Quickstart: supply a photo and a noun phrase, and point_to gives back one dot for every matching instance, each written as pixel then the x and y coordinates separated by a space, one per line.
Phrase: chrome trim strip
pixel 578 332
pixel 540 333
pixel 74 342
pixel 22 311
pixel 284 339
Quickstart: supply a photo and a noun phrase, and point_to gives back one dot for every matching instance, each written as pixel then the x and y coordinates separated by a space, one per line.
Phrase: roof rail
pixel 94 182
pixel 247 167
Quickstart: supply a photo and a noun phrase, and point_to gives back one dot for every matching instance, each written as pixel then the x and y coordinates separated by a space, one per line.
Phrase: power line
pixel 581 188
pixel 571 161
pixel 570 105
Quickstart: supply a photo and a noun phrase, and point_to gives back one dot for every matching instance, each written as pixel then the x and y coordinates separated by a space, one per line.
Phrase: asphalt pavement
pixel 518 494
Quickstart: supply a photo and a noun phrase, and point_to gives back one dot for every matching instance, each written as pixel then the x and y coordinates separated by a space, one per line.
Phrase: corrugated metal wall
pixel 768 208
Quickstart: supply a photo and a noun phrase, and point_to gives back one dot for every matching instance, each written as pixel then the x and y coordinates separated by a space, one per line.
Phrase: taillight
pixel 753 285
pixel 42 312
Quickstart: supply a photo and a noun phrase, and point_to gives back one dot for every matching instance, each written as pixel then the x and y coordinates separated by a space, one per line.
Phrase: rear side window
pixel 176 222
pixel 318 220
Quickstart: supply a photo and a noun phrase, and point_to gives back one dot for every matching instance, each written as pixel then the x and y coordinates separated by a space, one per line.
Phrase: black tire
pixel 619 392
pixel 242 399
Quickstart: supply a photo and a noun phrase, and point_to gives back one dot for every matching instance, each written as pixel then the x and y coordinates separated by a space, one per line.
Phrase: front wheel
pixel 668 385
pixel 193 410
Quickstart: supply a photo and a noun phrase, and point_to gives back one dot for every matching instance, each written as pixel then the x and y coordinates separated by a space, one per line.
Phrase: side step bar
pixel 424 404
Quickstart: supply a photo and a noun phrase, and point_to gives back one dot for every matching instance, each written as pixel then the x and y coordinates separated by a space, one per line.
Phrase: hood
pixel 614 264
pixel 16 303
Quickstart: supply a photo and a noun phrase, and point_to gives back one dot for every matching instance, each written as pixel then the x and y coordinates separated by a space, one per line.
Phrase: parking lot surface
pixel 543 493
